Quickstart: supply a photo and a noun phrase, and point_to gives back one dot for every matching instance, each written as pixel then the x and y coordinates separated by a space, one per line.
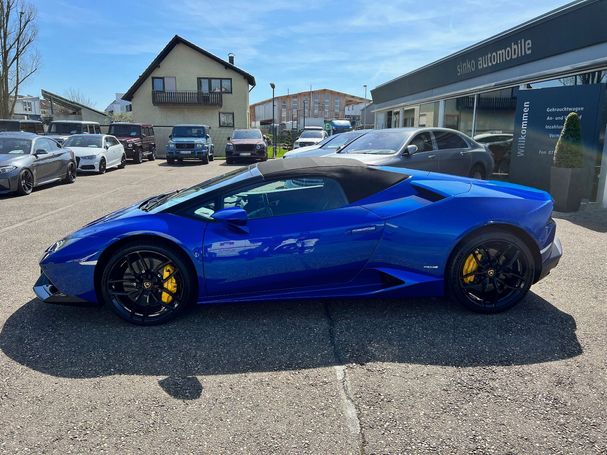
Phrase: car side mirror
pixel 170 136
pixel 410 150
pixel 107 146
pixel 229 138
pixel 40 152
pixel 234 217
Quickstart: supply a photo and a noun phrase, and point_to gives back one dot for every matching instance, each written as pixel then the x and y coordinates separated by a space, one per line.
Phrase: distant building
pixel 55 107
pixel 187 84
pixel 119 106
pixel 319 105
pixel 27 107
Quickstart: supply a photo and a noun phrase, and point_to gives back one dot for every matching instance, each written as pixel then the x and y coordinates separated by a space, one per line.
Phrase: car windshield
pixel 177 197
pixel 315 134
pixel 125 130
pixel 188 131
pixel 83 141
pixel 9 125
pixel 15 146
pixel 338 140
pixel 378 143
pixel 246 134
pixel 65 128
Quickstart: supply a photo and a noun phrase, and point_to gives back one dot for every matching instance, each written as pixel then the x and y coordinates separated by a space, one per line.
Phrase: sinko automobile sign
pixel 575 27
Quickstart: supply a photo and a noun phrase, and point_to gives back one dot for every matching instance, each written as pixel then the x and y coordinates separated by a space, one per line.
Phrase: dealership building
pixel 520 83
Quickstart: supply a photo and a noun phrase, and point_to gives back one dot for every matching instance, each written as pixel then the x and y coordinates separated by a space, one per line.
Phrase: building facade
pixel 27 108
pixel 481 89
pixel 119 106
pixel 315 106
pixel 186 84
pixel 56 107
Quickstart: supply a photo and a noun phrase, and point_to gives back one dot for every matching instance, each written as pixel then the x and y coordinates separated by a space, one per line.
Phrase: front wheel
pixel 478 172
pixel 102 166
pixel 138 156
pixel 122 164
pixel 152 155
pixel 204 159
pixel 147 284
pixel 70 175
pixel 25 184
pixel 491 272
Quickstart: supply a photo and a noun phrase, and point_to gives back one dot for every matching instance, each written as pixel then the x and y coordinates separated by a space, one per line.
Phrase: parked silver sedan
pixel 433 149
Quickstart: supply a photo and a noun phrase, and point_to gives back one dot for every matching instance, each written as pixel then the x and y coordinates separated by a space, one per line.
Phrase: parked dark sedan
pixel 28 160
pixel 500 146
pixel 432 149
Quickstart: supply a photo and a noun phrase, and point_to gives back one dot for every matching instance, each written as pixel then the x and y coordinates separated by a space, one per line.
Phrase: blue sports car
pixel 309 228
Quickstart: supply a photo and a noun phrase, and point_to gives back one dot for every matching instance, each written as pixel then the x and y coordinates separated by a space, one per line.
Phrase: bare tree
pixel 19 59
pixel 74 94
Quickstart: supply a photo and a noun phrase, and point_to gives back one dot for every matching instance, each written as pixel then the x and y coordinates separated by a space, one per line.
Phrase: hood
pixel 7 158
pixel 304 152
pixel 247 141
pixel 127 139
pixel 85 151
pixel 314 140
pixel 63 137
pixel 180 140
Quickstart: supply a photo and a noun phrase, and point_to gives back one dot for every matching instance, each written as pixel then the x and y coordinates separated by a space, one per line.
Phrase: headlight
pixel 129 145
pixel 171 145
pixel 89 157
pixel 259 147
pixel 7 169
pixel 199 145
pixel 60 244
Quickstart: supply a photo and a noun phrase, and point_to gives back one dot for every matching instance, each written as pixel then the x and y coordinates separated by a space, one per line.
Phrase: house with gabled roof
pixel 187 84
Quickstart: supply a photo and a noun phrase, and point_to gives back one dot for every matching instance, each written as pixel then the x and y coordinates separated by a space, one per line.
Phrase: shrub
pixel 569 152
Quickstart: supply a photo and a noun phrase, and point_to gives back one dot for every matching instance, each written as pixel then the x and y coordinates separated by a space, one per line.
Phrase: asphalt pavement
pixel 340 377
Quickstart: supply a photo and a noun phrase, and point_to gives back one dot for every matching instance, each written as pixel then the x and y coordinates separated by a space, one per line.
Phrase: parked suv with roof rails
pixel 60 130
pixel 138 140
pixel 27 126
pixel 190 142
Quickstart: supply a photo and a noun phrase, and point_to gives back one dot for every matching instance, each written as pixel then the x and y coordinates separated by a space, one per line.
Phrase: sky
pixel 100 47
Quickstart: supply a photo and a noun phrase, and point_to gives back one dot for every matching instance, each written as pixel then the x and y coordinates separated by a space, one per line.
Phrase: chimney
pixel 231 58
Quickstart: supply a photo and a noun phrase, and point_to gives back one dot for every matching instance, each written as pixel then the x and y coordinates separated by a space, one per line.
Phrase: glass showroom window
pixel 428 114
pixel 458 114
pixel 495 111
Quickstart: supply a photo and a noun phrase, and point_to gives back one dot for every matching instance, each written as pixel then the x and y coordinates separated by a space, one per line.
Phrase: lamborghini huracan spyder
pixel 309 228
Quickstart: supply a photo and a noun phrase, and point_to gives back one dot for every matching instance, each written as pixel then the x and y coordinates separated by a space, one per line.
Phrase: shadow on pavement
pixel 593 218
pixel 239 338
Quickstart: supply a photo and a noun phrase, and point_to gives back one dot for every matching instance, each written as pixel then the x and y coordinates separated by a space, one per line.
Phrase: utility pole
pixel 274 138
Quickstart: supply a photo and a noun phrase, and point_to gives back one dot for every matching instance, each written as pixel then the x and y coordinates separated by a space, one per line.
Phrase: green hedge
pixel 569 152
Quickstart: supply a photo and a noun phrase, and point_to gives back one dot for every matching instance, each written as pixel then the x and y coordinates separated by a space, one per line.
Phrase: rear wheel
pixel 204 159
pixel 491 272
pixel 478 172
pixel 25 185
pixel 138 156
pixel 70 174
pixel 147 284
pixel 102 166
pixel 152 155
pixel 229 160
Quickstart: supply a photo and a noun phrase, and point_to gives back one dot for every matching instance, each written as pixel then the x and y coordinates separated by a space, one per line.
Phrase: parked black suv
pixel 27 126
pixel 137 138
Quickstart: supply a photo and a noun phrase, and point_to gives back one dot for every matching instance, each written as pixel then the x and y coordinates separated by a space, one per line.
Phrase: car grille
pixel 305 144
pixel 184 146
pixel 244 147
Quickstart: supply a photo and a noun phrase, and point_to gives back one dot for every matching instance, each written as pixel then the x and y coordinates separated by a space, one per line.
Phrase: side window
pixel 151 130
pixel 206 209
pixel 423 142
pixel 287 197
pixel 97 129
pixel 446 140
pixel 42 144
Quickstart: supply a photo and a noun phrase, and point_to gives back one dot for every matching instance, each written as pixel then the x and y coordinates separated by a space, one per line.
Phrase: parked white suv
pixel 310 136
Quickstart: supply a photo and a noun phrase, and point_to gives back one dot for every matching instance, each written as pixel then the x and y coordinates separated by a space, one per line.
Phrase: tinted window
pixel 14 146
pixel 333 142
pixel 315 134
pixel 65 128
pixel 83 141
pixel 9 125
pixel 122 130
pixel 446 140
pixel 189 131
pixel 287 197
pixel 246 134
pixel 423 142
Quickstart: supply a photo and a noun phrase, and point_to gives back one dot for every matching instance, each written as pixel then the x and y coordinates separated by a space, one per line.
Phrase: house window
pixel 158 84
pixel 27 106
pixel 164 84
pixel 206 85
pixel 226 119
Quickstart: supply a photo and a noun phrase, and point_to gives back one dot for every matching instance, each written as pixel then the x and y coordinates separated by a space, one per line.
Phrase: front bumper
pixel 47 292
pixel 187 154
pixel 8 183
pixel 551 255
pixel 88 165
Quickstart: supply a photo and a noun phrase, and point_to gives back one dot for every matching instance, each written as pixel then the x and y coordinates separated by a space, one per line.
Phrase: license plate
pixel 245 154
pixel 185 153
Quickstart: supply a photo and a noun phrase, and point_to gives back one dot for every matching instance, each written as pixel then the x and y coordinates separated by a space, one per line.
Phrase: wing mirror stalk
pixel 410 150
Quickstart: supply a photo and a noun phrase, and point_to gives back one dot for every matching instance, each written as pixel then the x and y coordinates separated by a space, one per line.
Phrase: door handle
pixel 364 229
pixel 431 156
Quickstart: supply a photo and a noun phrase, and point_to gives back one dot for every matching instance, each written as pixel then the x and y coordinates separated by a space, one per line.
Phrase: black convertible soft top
pixel 357 179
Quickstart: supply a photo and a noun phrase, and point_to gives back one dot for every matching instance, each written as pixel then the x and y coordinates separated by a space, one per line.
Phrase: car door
pixel 426 157
pixel 111 151
pixel 300 233
pixel 43 164
pixel 453 153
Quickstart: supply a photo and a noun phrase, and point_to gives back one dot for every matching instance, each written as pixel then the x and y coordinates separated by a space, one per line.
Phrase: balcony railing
pixel 187 98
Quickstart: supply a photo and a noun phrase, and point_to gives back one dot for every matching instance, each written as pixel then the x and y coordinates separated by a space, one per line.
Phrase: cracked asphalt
pixel 347 376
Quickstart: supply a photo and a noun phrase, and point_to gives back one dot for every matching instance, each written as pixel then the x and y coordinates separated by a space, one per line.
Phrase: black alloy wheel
pixel 152 155
pixel 491 273
pixel 138 155
pixel 147 284
pixel 25 185
pixel 204 159
pixel 70 173
pixel 122 164
pixel 102 166
pixel 170 160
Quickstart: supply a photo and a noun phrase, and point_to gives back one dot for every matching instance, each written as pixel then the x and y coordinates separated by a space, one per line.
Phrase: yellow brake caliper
pixel 170 285
pixel 471 266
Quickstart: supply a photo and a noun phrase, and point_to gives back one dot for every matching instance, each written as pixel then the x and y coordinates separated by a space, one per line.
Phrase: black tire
pixel 152 155
pixel 122 164
pixel 490 272
pixel 138 156
pixel 70 174
pixel 229 160
pixel 478 172
pixel 212 156
pixel 102 166
pixel 170 160
pixel 133 282
pixel 204 159
pixel 25 184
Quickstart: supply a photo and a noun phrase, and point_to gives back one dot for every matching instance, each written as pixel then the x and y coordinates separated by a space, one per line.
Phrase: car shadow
pixel 593 218
pixel 77 342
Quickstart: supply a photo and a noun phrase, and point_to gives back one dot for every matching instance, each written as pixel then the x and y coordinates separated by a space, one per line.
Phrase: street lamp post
pixel 304 119
pixel 274 138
